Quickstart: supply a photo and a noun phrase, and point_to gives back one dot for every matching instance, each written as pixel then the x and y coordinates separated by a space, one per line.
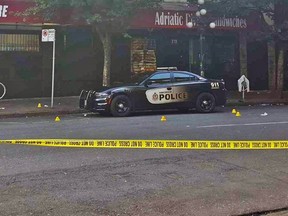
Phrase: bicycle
pixel 2 92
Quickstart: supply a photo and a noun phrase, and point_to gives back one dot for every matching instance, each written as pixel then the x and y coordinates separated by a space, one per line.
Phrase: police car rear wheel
pixel 121 106
pixel 205 103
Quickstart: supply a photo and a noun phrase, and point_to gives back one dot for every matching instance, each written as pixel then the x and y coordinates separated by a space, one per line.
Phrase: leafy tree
pixel 271 12
pixel 105 16
pixel 265 9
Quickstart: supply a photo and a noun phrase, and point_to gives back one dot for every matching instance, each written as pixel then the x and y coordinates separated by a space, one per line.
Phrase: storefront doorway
pixel 257 54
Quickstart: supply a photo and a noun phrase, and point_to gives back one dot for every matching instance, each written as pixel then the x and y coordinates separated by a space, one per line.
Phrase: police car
pixel 162 90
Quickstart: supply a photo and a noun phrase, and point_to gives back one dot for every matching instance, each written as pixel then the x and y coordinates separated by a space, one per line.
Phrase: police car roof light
pixel 167 68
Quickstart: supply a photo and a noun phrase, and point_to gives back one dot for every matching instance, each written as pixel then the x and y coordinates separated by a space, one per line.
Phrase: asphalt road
pixel 221 125
pixel 64 181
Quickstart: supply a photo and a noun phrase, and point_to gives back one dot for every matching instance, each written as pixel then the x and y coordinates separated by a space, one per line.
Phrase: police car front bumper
pixel 94 101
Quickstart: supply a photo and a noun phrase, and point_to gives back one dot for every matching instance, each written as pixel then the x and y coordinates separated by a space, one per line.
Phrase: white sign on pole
pixel 48 35
pixel 243 85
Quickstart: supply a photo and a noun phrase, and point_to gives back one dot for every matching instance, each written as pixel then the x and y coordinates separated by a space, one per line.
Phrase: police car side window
pixel 182 77
pixel 161 78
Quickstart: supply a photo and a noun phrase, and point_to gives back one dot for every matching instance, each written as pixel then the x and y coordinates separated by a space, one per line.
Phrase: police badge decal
pixel 155 97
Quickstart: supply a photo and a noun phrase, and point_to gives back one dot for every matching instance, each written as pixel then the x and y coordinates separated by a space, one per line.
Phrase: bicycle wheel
pixel 2 90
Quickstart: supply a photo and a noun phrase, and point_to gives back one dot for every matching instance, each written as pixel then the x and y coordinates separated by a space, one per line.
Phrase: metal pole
pixel 53 72
pixel 243 93
pixel 201 54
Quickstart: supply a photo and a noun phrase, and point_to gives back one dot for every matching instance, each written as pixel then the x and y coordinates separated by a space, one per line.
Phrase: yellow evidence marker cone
pixel 163 118
pixel 238 114
pixel 57 119
pixel 234 111
pixel 39 105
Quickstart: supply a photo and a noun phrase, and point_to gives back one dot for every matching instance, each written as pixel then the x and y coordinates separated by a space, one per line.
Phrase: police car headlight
pixel 101 95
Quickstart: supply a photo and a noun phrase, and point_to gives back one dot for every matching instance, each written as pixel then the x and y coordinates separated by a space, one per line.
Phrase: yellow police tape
pixel 151 144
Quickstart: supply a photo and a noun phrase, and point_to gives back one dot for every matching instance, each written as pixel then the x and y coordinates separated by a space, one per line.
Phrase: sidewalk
pixel 29 107
pixel 70 105
pixel 257 98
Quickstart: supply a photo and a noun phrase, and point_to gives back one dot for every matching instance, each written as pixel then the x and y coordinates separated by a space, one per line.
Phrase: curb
pixel 267 103
pixel 34 114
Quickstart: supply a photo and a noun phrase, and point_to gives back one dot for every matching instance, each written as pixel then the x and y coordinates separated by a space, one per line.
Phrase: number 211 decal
pixel 214 85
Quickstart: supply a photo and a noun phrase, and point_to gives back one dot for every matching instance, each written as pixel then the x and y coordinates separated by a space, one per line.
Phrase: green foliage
pixel 263 8
pixel 241 7
pixel 106 16
pixel 104 12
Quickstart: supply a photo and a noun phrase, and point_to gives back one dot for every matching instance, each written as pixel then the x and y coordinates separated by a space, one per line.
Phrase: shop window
pixel 143 55
pixel 19 42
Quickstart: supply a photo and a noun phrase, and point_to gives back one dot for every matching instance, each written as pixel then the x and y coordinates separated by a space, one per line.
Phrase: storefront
pixel 26 62
pixel 281 21
pixel 20 51
pixel 159 38
pixel 162 38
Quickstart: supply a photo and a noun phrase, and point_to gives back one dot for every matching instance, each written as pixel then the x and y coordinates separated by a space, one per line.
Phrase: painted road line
pixel 246 124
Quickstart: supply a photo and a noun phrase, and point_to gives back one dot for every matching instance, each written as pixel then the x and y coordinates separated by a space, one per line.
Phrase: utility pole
pixel 201 23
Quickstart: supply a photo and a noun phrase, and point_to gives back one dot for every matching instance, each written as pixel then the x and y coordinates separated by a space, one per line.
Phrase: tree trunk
pixel 106 40
pixel 280 69
pixel 107 46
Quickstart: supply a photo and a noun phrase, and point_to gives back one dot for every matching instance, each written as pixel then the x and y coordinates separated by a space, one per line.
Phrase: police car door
pixel 185 88
pixel 154 90
pixel 160 92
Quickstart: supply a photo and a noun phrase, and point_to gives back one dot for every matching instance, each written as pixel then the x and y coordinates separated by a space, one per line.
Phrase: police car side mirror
pixel 148 82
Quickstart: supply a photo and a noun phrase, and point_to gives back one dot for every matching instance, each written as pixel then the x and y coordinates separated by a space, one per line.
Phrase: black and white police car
pixel 162 90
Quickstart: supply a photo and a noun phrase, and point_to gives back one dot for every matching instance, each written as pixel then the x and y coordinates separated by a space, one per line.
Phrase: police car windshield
pixel 139 78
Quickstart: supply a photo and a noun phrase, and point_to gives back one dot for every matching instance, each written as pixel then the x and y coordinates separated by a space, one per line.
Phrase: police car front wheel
pixel 121 106
pixel 205 103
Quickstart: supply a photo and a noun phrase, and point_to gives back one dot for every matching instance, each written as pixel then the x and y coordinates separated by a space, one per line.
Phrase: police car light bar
pixel 167 68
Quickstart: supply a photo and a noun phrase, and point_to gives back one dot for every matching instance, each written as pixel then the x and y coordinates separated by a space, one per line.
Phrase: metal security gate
pixel 20 63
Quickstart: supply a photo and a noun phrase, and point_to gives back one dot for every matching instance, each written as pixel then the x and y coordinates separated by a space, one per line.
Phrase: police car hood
pixel 109 89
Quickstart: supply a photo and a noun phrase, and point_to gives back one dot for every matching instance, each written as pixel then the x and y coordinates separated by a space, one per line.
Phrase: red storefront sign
pixel 160 19
pixel 10 12
pixel 156 19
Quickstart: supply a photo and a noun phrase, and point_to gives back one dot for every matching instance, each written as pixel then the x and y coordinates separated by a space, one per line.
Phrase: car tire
pixel 121 106
pixel 205 103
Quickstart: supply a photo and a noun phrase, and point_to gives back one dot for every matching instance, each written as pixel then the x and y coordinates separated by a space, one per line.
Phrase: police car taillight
pixel 223 83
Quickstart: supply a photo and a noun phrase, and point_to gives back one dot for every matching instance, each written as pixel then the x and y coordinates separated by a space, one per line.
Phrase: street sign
pixel 48 35
pixel 243 84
